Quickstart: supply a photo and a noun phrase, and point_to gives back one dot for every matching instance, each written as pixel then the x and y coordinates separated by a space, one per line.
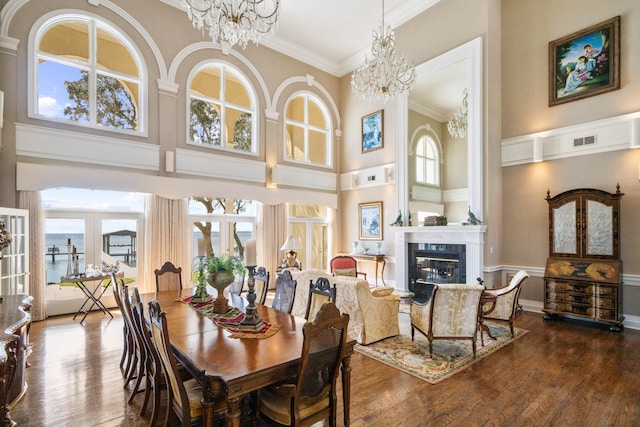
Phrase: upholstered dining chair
pixel 261 284
pixel 311 396
pixel 168 277
pixel 319 292
pixel 344 265
pixel 285 292
pixel 506 306
pixel 184 397
pixel 451 314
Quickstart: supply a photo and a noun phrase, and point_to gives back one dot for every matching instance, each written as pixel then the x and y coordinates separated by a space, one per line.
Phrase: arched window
pixel 307 130
pixel 88 73
pixel 222 109
pixel 427 161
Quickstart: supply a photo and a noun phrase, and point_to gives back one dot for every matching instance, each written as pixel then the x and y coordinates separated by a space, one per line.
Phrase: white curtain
pixel 272 233
pixel 166 238
pixel 30 200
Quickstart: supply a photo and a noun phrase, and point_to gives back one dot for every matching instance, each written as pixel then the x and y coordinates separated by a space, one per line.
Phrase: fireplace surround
pixel 453 254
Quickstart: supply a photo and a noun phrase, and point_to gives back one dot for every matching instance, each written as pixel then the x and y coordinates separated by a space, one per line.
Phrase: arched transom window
pixel 88 73
pixel 427 161
pixel 222 109
pixel 307 130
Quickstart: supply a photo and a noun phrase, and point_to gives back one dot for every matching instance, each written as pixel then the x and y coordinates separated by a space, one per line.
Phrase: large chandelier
pixel 383 75
pixel 234 21
pixel 457 125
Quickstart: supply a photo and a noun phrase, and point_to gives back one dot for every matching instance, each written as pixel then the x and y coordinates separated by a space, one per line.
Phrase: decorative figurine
pixel 398 220
pixel 473 220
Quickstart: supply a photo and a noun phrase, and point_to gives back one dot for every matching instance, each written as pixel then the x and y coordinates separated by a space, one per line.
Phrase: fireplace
pixel 438 254
pixel 431 264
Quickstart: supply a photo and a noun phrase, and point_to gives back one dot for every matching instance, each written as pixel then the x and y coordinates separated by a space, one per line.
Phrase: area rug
pixel 449 356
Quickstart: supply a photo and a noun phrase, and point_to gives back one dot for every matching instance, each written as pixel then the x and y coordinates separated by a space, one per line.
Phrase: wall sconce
pixel 538 154
pixel 169 161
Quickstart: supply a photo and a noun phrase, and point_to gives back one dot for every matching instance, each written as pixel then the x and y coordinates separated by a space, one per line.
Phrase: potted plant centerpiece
pixel 218 272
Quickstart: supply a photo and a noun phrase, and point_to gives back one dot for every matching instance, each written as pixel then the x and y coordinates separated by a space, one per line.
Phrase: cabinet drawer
pixel 590 300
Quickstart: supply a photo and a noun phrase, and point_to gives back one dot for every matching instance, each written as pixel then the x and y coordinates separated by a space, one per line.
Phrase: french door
pixel 78 242
pixel 14 266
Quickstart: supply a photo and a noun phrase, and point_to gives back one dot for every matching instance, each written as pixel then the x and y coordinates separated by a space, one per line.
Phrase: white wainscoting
pixel 615 133
pixel 217 166
pixel 369 177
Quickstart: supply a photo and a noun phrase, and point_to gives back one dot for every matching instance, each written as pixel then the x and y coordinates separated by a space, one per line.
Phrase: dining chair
pixel 137 369
pixel 311 396
pixel 261 284
pixel 319 292
pixel 127 338
pixel 285 292
pixel 168 277
pixel 184 396
pixel 153 367
pixel 344 265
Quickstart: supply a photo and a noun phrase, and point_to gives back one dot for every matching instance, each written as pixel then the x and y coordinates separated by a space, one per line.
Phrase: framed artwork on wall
pixel 585 63
pixel 370 215
pixel 373 131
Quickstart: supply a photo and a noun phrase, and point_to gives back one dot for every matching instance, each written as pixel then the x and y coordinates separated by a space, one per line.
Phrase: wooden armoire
pixel 583 275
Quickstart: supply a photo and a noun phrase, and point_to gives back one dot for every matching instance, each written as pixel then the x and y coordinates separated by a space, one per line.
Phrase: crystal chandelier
pixel 383 75
pixel 234 21
pixel 457 125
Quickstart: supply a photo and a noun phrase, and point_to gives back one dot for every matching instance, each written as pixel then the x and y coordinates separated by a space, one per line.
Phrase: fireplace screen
pixel 431 264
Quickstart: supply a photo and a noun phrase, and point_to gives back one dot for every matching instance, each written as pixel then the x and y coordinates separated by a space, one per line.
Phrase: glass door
pixel 14 268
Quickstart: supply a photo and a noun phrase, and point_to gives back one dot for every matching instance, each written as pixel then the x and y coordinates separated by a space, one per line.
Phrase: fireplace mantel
pixel 472 236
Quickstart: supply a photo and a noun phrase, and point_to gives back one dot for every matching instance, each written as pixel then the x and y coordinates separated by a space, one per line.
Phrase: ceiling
pixel 335 36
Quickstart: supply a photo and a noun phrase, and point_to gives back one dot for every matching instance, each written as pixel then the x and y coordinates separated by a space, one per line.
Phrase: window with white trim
pixel 222 109
pixel 307 130
pixel 86 72
pixel 427 161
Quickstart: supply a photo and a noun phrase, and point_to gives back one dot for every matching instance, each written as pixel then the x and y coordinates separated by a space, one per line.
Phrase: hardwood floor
pixel 561 373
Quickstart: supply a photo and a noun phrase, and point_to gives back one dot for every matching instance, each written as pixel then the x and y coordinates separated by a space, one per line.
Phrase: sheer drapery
pixel 272 233
pixel 30 200
pixel 166 238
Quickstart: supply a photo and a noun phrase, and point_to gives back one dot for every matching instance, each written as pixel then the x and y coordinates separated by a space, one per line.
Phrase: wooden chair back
pixel 168 277
pixel 285 292
pixel 313 394
pixel 178 397
pixel 319 292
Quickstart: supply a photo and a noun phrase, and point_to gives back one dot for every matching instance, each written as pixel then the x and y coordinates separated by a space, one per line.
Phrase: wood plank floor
pixel 559 374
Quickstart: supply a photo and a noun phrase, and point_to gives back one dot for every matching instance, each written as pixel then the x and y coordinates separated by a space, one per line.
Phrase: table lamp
pixel 291 245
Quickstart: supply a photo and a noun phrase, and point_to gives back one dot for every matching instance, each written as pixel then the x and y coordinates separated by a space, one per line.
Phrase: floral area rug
pixel 449 356
pixel 231 320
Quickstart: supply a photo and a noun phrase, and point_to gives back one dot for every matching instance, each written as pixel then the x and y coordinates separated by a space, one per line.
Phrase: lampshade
pixel 291 244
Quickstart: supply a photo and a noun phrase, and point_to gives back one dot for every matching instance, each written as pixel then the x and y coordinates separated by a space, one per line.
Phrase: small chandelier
pixel 457 125
pixel 234 21
pixel 383 75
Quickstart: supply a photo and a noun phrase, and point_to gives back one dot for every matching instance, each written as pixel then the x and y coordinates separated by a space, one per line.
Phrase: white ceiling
pixel 335 36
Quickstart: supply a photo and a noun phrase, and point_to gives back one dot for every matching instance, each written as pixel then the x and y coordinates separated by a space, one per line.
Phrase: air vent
pixel 587 140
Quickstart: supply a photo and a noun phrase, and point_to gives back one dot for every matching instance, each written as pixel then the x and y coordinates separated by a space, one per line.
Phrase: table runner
pixel 230 320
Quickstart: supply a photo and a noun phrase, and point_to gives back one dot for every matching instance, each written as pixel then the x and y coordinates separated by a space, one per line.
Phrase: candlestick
pixel 250 253
pixel 252 321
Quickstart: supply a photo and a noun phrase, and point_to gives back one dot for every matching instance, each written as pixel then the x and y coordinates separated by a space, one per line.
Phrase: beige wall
pixel 527 28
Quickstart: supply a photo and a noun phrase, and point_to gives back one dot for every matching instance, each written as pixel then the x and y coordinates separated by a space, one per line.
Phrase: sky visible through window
pixel 52 93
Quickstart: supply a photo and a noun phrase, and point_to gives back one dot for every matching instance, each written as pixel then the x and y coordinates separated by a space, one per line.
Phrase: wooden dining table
pixel 230 368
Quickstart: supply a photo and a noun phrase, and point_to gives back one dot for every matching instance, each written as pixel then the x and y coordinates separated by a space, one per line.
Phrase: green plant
pixel 212 264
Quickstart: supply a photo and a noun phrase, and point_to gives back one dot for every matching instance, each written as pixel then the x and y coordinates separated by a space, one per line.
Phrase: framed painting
pixel 585 63
pixel 370 215
pixel 373 131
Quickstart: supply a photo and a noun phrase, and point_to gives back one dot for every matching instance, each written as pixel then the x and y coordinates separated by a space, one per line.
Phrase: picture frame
pixel 585 63
pixel 370 216
pixel 373 131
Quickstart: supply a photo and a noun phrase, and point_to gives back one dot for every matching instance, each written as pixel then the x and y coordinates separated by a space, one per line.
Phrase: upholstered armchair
pixel 371 317
pixel 507 300
pixel 344 265
pixel 451 314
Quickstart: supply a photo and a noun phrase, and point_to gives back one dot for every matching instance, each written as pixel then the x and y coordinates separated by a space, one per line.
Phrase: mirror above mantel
pixel 423 116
